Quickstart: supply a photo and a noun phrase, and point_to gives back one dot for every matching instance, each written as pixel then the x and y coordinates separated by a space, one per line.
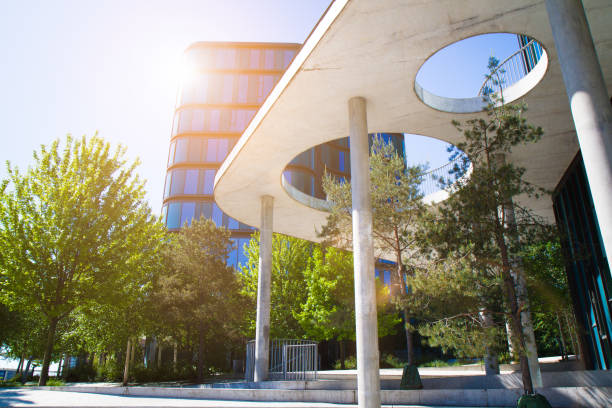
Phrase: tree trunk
pixel 490 360
pixel 406 315
pixel 44 372
pixel 342 344
pixel 159 355
pixel 126 367
pixel 200 362
pixel 132 353
pixel 20 365
pixel 24 374
pixel 515 315
pixel 174 357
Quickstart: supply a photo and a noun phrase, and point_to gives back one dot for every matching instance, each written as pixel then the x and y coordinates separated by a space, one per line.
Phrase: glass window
pixel 243 88
pixel 164 214
pixel 171 154
pixel 254 60
pixel 287 57
pixel 195 147
pixel 167 186
pixel 341 161
pixel 181 150
pixel 175 123
pixel 268 84
pixel 269 59
pixel 197 124
pixel 243 243
pixel 232 223
pixel 174 210
pixel 287 175
pixel 209 179
pixel 211 150
pixel 223 143
pixel 206 210
pixel 185 120
pixel 187 213
pixel 215 116
pixel 178 182
pixel 228 88
pixel 201 89
pixel 387 277
pixel 191 181
pixel 232 259
pixel 217 215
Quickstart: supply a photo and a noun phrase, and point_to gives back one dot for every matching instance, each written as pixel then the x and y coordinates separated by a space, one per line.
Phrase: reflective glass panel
pixel 223 143
pixel 197 123
pixel 201 91
pixel 215 116
pixel 243 88
pixel 164 214
pixel 178 182
pixel 269 59
pixel 228 88
pixel 174 210
pixel 206 210
pixel 171 154
pixel 191 181
pixel 287 57
pixel 254 60
pixel 167 186
pixel 211 150
pixel 187 213
pixel 217 215
pixel 181 150
pixel 209 179
pixel 243 243
pixel 232 223
pixel 341 161
pixel 195 147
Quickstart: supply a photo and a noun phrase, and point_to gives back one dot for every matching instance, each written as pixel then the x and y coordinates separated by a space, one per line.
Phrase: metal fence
pixel 512 69
pixel 443 177
pixel 290 359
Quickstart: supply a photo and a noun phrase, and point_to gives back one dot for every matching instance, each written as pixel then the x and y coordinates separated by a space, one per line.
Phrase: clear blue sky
pixel 80 66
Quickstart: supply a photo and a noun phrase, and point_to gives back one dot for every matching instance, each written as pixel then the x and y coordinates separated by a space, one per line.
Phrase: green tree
pixel 329 309
pixel 397 206
pixel 70 227
pixel 198 290
pixel 288 291
pixel 479 220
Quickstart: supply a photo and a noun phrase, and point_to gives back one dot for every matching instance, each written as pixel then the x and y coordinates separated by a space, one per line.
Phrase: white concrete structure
pixel 374 49
pixel 264 279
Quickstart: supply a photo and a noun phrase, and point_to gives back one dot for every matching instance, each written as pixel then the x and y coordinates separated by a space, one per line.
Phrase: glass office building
pixel 225 84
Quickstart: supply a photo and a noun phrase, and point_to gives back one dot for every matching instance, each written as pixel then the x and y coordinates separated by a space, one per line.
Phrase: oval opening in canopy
pixel 454 79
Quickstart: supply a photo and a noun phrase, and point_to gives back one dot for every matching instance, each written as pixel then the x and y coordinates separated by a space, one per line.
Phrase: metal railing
pixel 512 69
pixel 441 177
pixel 290 359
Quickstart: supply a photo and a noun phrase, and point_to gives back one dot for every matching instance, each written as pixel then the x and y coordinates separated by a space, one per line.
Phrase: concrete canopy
pixel 374 49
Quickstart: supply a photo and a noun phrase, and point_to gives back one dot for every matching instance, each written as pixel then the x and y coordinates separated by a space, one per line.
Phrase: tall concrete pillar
pixel 589 102
pixel 368 376
pixel 262 329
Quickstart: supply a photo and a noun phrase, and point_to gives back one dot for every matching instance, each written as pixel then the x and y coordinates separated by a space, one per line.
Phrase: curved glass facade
pixel 306 170
pixel 228 83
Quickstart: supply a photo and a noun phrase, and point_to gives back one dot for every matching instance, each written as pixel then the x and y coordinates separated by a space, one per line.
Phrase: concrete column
pixel 262 329
pixel 368 376
pixel 590 104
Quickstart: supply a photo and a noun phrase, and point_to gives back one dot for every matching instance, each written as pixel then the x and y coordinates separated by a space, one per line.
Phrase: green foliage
pixel 290 258
pixel 350 363
pixel 397 206
pixel 329 309
pixel 72 227
pixel 53 382
pixel 481 225
pixel 199 294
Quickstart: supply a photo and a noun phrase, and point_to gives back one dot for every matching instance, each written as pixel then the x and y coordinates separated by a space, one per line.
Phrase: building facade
pixel 224 85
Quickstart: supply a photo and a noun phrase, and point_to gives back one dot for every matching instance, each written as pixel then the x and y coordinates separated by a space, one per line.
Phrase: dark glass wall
pixel 587 266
